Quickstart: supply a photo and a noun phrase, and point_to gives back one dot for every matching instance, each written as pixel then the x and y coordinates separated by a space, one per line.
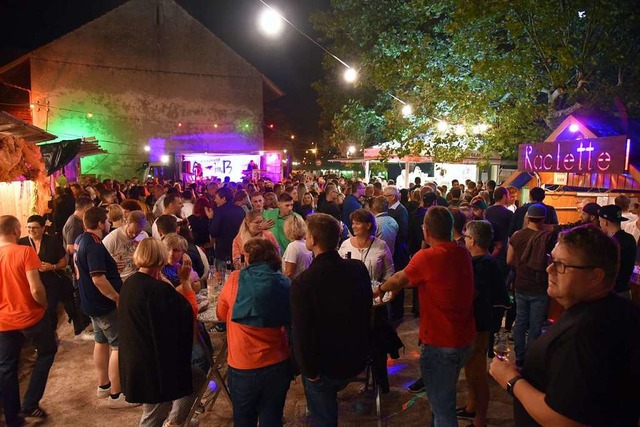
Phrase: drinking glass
pixel 501 346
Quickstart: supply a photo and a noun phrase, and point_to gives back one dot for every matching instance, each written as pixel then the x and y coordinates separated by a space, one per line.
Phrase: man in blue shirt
pixel 226 223
pixel 352 202
pixel 99 284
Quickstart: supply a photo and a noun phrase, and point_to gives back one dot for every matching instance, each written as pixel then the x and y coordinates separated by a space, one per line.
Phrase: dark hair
pixel 325 230
pixel 499 193
pixel 366 217
pixel 285 197
pixel 262 250
pixel 459 219
pixel 537 194
pixel 167 224
pixel 187 194
pixel 170 198
pixel 455 192
pixel 83 202
pixel 583 239
pixel 439 223
pixel 225 193
pixel 36 218
pixel 355 185
pixel 200 205
pixel 482 233
pixel 240 196
pixel 93 217
pixel 131 205
pixel 491 185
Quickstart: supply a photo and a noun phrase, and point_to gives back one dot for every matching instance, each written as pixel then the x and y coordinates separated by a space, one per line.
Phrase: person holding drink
pixel 584 369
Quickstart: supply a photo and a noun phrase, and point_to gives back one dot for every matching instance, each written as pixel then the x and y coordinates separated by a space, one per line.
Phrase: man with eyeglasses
pixel 527 254
pixel 584 369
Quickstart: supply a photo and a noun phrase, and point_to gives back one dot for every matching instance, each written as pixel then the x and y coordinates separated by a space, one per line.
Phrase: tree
pixel 514 66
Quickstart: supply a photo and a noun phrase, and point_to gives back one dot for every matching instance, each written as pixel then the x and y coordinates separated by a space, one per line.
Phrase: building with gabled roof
pixel 144 76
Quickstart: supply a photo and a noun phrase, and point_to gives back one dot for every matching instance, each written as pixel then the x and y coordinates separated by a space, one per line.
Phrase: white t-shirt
pixel 297 253
pixel 121 248
pixel 631 227
pixel 187 209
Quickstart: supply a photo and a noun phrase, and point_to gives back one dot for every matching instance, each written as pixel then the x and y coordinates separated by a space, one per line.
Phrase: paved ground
pixel 70 396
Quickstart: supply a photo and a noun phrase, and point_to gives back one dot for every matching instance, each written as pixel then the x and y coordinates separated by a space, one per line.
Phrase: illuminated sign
pixel 596 155
pixel 221 165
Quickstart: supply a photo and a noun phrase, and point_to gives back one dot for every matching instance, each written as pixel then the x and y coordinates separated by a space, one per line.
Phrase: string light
pixel 442 125
pixel 407 111
pixel 460 130
pixel 350 75
pixel 147 148
pixel 90 115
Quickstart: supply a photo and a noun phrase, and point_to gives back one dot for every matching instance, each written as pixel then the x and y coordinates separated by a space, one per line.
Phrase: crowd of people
pixel 313 260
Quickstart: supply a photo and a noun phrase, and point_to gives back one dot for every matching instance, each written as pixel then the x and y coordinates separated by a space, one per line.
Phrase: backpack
pixel 535 252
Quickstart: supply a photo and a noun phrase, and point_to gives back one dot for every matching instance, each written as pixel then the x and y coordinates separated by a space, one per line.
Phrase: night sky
pixel 291 61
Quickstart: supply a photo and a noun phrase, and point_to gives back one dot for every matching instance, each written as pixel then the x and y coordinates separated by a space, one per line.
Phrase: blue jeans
pixel 440 369
pixel 322 400
pixel 531 312
pixel 259 394
pixel 44 340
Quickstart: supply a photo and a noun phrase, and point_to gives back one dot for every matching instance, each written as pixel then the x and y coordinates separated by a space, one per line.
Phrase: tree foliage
pixel 518 66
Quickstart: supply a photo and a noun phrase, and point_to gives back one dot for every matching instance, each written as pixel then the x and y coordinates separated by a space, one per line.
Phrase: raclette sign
pixel 594 155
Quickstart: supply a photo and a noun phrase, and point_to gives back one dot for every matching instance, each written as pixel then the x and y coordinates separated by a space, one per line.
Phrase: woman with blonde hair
pixel 156 331
pixel 115 215
pixel 297 257
pixel 251 228
pixel 176 247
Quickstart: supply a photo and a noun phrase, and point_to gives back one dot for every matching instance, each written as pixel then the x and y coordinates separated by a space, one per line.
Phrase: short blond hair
pixel 115 213
pixel 175 241
pixel 150 253
pixel 295 228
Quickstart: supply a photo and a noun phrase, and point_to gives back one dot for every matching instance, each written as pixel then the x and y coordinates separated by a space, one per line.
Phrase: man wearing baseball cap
pixel 589 214
pixel 610 220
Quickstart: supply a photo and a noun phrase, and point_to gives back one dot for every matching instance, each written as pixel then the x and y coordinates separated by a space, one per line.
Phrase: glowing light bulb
pixel 483 127
pixel 215 125
pixel 350 75
pixel 270 22
pixel 164 158
pixel 574 128
pixel 90 115
pixel 147 148
pixel 407 110
pixel 352 149
pixel 179 124
pixel 442 125
pixel 460 130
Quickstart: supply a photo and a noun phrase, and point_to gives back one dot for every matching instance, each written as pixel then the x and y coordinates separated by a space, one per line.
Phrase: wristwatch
pixel 512 382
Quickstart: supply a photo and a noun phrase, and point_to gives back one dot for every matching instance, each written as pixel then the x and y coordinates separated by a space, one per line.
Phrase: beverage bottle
pixel 229 265
pixel 347 255
pixel 211 285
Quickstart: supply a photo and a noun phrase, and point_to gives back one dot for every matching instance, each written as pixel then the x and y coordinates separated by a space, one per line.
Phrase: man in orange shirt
pixel 23 302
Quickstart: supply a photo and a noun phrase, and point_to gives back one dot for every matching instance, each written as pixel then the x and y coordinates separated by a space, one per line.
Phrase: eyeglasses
pixel 561 267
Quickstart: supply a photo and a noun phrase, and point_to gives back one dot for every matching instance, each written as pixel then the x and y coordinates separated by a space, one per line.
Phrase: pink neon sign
pixel 597 155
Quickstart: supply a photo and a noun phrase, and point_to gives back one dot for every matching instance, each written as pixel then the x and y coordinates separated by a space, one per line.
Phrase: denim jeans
pixel 531 313
pixel 440 369
pixel 322 400
pixel 259 394
pixel 44 340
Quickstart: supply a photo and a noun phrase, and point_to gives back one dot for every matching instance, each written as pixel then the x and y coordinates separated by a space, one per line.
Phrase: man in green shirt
pixel 278 216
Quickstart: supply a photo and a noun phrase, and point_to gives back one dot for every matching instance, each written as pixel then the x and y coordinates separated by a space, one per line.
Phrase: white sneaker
pixel 84 336
pixel 120 403
pixel 103 393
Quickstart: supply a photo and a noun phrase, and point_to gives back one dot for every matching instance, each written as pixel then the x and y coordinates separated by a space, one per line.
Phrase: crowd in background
pixel 313 258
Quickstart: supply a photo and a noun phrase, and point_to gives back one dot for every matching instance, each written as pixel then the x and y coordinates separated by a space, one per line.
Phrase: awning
pixel 11 125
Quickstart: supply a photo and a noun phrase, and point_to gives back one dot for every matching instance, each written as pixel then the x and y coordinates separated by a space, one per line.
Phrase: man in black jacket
pixel 331 306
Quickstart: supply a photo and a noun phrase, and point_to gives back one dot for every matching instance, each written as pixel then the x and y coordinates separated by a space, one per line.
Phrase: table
pixel 208 397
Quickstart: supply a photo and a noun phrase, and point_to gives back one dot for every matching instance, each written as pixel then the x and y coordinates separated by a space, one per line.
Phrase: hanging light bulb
pixel 407 110
pixel 442 125
pixel 460 130
pixel 350 75
pixel 270 22
pixel 147 148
